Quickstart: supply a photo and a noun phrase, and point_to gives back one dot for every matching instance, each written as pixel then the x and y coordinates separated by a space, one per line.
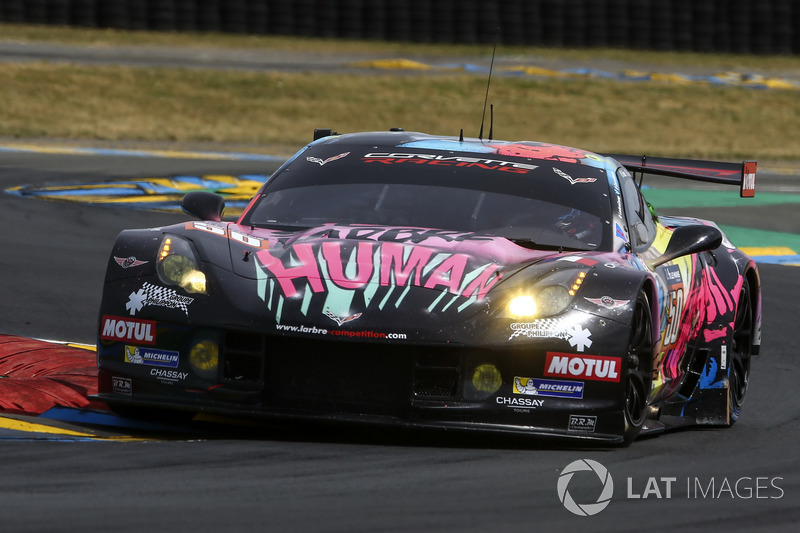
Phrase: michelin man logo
pixel 586 509
pixel 525 386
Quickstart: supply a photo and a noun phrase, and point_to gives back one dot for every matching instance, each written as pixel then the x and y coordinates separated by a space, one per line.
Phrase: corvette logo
pixel 572 180
pixel 323 161
pixel 341 319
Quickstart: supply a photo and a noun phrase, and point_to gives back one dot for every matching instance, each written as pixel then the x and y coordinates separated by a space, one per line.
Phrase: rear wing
pixel 741 174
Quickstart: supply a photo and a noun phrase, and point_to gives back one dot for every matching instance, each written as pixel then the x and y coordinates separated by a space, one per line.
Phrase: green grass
pixel 112 103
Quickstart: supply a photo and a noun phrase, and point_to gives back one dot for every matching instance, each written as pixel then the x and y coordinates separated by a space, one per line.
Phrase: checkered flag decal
pixel 548 323
pixel 151 294
pixel 539 328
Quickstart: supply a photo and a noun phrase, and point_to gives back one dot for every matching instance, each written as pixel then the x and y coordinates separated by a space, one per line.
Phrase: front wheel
pixel 637 369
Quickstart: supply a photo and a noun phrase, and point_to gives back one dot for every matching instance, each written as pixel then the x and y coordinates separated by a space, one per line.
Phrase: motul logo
pixel 128 329
pixel 594 367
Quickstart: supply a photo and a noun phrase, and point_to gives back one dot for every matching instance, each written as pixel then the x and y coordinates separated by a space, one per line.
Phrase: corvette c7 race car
pixel 407 279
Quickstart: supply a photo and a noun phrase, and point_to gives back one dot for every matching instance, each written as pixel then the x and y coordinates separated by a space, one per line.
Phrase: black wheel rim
pixel 640 354
pixel 742 340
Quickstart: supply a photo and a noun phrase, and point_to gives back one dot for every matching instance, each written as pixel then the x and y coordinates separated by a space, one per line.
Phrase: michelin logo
pixel 152 357
pixel 548 387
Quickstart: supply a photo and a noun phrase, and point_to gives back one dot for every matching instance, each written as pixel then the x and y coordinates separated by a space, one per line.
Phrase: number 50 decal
pixel 674 312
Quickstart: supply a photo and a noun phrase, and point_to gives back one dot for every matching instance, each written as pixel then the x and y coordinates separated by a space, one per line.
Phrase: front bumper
pixel 424 386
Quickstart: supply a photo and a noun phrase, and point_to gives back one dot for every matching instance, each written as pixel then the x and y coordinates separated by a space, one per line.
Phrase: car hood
pixel 350 255
pixel 341 271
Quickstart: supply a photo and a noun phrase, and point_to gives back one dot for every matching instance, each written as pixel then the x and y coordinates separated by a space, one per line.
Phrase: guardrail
pixel 736 26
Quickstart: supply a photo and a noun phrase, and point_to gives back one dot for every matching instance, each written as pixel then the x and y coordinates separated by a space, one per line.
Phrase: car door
pixel 674 279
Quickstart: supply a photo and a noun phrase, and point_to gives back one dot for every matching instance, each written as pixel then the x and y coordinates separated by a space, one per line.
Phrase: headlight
pixel 551 295
pixel 178 265
pixel 553 299
pixel 524 305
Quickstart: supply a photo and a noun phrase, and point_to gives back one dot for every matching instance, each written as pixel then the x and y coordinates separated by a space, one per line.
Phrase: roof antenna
pixel 491 120
pixel 641 172
pixel 486 98
pixel 461 136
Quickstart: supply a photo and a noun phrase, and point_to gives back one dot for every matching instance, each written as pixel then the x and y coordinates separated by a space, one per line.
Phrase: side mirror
pixel 203 205
pixel 689 240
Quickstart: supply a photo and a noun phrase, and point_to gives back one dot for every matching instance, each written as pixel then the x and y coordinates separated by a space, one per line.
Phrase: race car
pixel 406 279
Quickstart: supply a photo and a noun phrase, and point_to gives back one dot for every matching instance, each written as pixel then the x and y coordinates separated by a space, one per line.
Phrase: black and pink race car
pixel 407 279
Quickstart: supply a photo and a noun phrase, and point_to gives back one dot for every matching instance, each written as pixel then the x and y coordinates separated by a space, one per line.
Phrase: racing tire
pixel 637 371
pixel 740 352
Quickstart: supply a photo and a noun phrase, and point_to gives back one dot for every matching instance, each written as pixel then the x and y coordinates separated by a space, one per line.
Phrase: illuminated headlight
pixel 522 306
pixel 194 281
pixel 550 296
pixel 178 265
pixel 204 358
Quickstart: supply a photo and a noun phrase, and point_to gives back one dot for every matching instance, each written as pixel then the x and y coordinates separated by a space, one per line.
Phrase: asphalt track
pixel 53 256
pixel 369 62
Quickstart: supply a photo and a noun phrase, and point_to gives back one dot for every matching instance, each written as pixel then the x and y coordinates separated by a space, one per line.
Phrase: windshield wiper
pixel 280 227
pixel 530 244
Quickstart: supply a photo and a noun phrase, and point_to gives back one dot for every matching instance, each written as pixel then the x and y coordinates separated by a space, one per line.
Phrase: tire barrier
pixel 736 26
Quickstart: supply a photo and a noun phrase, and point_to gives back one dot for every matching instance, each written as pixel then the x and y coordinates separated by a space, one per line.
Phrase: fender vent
pixel 695 365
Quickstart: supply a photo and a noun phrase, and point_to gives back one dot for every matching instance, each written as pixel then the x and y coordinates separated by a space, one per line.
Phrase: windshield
pixel 549 212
